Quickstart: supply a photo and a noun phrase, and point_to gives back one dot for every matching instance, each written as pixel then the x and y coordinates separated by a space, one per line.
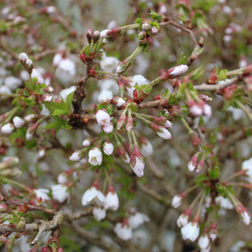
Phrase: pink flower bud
pixel 213 231
pixel 191 165
pixel 86 142
pixel 76 156
pixel 164 133
pixel 177 71
pixel 244 213
pixel 121 121
pixel 195 108
pixel 117 101
pixel 184 218
pixel 177 199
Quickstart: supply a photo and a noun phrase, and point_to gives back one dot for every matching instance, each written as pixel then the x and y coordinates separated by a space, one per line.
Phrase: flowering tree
pixel 91 149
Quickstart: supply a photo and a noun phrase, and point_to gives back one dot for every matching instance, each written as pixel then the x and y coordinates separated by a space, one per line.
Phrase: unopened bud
pixel 146 26
pixel 96 36
pixel 89 35
pixel 9 163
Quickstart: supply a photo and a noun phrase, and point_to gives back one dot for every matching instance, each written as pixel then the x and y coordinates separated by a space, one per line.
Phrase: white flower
pixel 18 122
pixel 60 193
pixel 190 231
pixel 75 156
pixel 126 158
pixel 196 110
pixel 86 143
pixel 103 33
pixel 191 166
pixel 138 168
pixel 68 66
pixel 164 133
pixel 93 194
pixel 56 59
pixel 108 128
pixel 50 89
pixel 37 74
pixel 99 213
pixel 120 102
pixel 237 247
pixel 109 64
pixel 243 63
pixel 146 148
pixel 137 219
pixel 182 220
pixel 62 178
pixel 112 24
pixel 207 110
pixel 105 96
pixel 204 241
pixel 65 92
pixel 108 84
pixel 95 156
pixel 23 56
pixel 7 128
pixel 224 202
pixel 44 111
pixel 237 113
pixel 48 98
pixel 176 201
pixel 246 217
pixel 41 152
pixel 112 201
pixel 102 118
pixel 178 71
pixel 12 82
pixel 108 148
pixel 247 165
pixel 136 79
pixel 124 232
pixel 29 117
pixel 50 9
pixel 42 193
pixel 4 90
pixel 206 249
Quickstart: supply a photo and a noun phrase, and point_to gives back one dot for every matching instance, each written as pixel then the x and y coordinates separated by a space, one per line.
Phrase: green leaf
pixel 155 15
pixel 60 112
pixel 222 74
pixel 214 173
pixel 201 178
pixel 132 107
pixel 69 99
pixel 165 93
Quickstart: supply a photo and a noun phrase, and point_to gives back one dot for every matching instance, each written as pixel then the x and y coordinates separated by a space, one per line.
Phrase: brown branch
pixel 154 194
pixel 217 87
pixel 92 238
pixel 190 32
pixel 9 51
